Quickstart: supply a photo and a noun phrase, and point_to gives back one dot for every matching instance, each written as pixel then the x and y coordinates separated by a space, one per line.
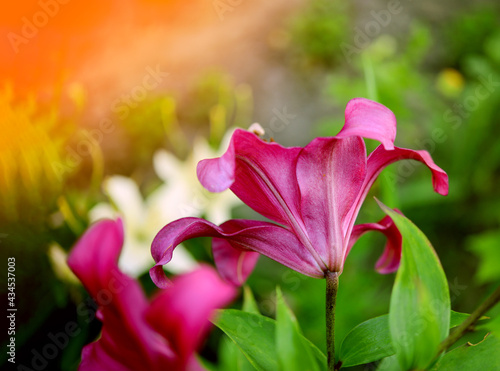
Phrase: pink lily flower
pixel 138 334
pixel 314 194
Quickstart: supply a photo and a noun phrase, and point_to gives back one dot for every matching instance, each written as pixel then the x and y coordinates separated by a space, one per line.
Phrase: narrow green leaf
pixel 481 356
pixel 294 353
pixel 231 358
pixel 419 315
pixel 228 355
pixel 389 364
pixel 320 357
pixel 249 303
pixel 253 334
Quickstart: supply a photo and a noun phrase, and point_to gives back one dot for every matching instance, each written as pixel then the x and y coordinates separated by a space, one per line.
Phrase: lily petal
pixel 274 241
pixel 369 119
pixel 380 158
pixel 182 312
pixel 330 174
pixel 121 301
pixel 92 263
pixel 233 264
pixel 390 258
pixel 217 174
pixel 261 174
pixel 95 358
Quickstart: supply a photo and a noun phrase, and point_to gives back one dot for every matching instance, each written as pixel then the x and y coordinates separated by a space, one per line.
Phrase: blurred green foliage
pixel 315 34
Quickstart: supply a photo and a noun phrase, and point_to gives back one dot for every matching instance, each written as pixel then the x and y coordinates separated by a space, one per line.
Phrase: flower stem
pixel 468 324
pixel 332 283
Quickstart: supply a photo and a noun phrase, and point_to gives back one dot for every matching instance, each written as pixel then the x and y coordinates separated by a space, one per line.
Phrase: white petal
pixel 182 261
pixel 102 211
pixel 125 194
pixel 166 165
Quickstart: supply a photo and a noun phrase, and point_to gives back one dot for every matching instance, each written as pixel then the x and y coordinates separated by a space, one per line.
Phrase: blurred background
pixel 106 107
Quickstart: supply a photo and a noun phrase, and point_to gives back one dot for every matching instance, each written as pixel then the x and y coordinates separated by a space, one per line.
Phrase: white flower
pixel 180 195
pixel 184 189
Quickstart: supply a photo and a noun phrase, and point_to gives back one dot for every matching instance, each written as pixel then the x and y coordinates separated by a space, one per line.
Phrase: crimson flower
pixel 314 194
pixel 137 334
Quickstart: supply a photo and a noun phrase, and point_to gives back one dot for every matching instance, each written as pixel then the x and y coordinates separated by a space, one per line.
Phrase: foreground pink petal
pixel 180 313
pixel 137 335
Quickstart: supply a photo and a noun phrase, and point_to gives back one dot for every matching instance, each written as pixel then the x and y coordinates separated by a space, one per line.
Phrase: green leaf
pixel 371 340
pixel 253 334
pixel 456 318
pixel 249 303
pixel 494 326
pixel 481 356
pixel 367 342
pixel 294 352
pixel 490 324
pixel 419 315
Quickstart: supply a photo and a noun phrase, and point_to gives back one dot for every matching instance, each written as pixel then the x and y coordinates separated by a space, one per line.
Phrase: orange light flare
pixel 47 44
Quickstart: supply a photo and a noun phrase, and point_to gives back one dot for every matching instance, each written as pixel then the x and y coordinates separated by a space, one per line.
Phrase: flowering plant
pixel 312 195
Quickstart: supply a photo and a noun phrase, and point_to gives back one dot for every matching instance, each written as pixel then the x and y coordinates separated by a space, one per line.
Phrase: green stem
pixel 468 324
pixel 332 283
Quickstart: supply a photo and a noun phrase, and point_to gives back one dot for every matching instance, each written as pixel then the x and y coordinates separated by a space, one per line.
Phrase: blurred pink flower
pixel 137 334
pixel 313 193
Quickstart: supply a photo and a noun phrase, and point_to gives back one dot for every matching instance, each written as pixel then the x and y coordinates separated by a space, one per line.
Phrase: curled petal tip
pixel 159 277
pixel 217 174
pixel 439 176
pixel 381 268
pixel 369 119
pixel 441 185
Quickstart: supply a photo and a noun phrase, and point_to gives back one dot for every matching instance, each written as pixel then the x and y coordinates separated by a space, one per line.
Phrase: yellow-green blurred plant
pixel 31 144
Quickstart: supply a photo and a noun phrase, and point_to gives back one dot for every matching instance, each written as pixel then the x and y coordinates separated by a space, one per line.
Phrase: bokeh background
pixel 105 108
